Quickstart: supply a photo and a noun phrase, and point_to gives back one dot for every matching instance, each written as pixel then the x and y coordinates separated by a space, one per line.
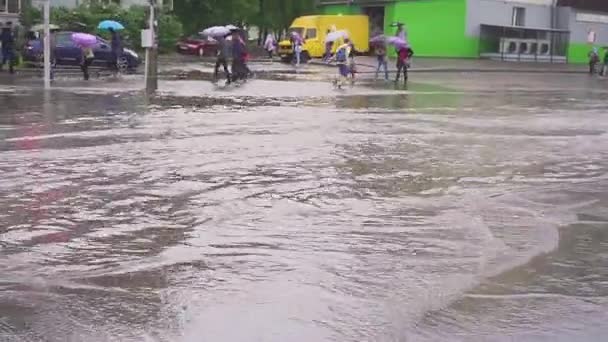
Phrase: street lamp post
pixel 151 74
pixel 47 44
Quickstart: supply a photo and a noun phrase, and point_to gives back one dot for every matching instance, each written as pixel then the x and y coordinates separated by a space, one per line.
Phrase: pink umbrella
pixel 84 39
pixel 378 39
pixel 397 41
pixel 296 37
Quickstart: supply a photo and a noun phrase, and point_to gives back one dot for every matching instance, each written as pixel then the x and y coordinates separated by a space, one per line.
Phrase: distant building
pixel 9 11
pixel 541 30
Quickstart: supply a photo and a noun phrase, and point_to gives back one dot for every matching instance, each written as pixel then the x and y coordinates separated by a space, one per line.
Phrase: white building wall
pixel 500 12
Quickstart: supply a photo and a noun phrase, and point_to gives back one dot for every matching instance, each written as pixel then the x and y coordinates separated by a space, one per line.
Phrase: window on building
pixel 311 33
pixel 3 5
pixel 519 16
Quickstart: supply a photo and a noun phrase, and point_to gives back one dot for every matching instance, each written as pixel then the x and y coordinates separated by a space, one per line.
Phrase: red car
pixel 197 45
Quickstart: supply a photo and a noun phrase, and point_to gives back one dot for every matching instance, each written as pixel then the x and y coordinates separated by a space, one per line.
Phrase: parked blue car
pixel 67 53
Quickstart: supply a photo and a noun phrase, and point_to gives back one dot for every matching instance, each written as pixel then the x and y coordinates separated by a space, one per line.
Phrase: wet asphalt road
pixel 462 208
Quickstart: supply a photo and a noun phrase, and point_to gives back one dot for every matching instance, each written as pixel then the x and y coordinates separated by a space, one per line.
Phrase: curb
pixel 463 70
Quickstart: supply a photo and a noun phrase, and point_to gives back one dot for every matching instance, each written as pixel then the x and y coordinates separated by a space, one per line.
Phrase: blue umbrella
pixel 110 24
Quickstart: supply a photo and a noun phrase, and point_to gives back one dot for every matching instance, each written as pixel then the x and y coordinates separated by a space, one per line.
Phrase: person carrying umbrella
pixel 239 55
pixel 117 49
pixel 270 45
pixel 223 51
pixel 341 57
pixel 404 54
pixel 87 59
pixel 329 44
pixel 8 47
pixel 297 42
pixel 380 50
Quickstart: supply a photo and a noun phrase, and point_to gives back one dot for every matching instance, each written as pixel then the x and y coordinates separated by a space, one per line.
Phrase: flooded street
pixel 463 208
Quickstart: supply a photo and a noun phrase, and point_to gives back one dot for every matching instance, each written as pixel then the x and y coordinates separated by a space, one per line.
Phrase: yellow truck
pixel 314 29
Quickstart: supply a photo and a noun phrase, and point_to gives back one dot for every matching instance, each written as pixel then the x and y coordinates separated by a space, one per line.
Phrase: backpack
pixel 341 55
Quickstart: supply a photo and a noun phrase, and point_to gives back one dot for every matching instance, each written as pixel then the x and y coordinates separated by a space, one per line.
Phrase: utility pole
pixel 47 44
pixel 151 74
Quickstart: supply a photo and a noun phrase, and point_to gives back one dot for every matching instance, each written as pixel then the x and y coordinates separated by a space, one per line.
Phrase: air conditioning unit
pixel 544 47
pixel 524 47
pixel 509 45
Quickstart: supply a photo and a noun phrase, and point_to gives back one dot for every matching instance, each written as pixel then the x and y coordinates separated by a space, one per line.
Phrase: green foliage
pixel 29 14
pixel 267 14
pixel 134 19
pixel 169 31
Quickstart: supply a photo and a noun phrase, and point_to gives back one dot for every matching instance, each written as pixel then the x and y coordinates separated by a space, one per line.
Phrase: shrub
pixel 134 19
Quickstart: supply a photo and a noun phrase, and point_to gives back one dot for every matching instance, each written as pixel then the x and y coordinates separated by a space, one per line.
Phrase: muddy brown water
pixel 445 212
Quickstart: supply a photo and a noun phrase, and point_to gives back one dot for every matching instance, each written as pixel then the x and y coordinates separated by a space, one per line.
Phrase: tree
pixel 196 14
pixel 273 15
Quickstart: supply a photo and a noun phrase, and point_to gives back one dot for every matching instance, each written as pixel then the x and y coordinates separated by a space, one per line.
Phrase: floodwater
pixel 464 208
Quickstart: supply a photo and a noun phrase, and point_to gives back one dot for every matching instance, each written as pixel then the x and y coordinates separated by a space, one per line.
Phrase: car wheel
pixel 123 64
pixel 201 51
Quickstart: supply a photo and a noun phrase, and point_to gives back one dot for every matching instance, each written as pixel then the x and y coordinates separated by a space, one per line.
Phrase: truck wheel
pixel 286 59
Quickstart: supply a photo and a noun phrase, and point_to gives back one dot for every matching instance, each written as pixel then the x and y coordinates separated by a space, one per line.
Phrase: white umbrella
pixel 397 41
pixel 378 39
pixel 232 27
pixel 333 36
pixel 215 31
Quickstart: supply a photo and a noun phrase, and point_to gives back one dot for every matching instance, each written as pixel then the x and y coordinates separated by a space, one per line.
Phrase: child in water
pixel 342 61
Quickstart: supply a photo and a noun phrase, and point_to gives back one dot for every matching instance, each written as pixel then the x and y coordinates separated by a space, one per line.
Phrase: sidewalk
pixel 367 65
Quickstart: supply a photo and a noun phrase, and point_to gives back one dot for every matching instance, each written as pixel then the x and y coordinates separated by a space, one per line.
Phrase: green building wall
pixel 341 9
pixel 436 28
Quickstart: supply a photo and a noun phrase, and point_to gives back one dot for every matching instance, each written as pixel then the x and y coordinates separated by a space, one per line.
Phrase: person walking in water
pixel 117 50
pixel 380 50
pixel 605 62
pixel 239 54
pixel 297 49
pixel 404 54
pixel 341 58
pixel 223 51
pixel 87 59
pixel 328 47
pixel 8 48
pixel 594 58
pixel 270 45
pixel 352 66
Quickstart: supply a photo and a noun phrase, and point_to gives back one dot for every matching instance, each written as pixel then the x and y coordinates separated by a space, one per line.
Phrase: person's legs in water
pixel 11 61
pixel 7 57
pixel 343 72
pixel 385 66
pixel 85 67
pixel 237 71
pixel 380 63
pixel 226 71
pixel 399 67
pixel 298 56
pixel 216 70
pixel 405 66
pixel 4 58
